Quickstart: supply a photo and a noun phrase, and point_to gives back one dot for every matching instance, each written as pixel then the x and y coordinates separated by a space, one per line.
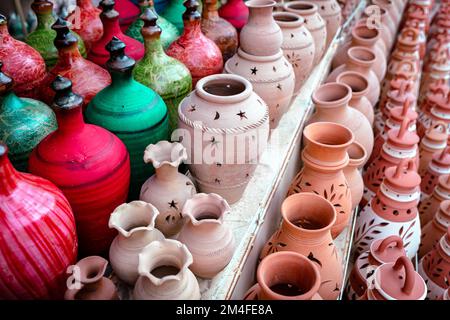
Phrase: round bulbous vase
pixel 330 11
pixel 128 12
pixel 85 21
pixel 235 12
pixel 352 172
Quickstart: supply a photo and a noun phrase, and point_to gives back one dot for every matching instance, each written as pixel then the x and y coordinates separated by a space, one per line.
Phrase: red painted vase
pixel 89 164
pixel 38 239
pixel 128 12
pixel 110 19
pixel 22 63
pixel 198 53
pixel 235 12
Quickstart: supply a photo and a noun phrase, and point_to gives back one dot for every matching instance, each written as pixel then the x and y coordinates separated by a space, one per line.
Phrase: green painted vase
pixel 24 123
pixel 169 31
pixel 135 113
pixel 42 38
pixel 174 13
pixel 166 75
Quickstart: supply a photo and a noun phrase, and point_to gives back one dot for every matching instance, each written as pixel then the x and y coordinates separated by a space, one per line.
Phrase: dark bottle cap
pixel 6 82
pixel 65 98
pixel 118 60
pixel 64 37
pixel 42 6
pixel 3 20
pixel 150 27
pixel 108 10
pixel 191 12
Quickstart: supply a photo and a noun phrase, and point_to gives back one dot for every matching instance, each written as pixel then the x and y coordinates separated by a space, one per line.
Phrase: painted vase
pixel 85 21
pixel 314 23
pixel 306 229
pixel 324 157
pixel 164 273
pixel 434 141
pixel 38 221
pixel 174 14
pixel 439 165
pixel 330 11
pixel 166 75
pixel 84 160
pixel 433 231
pixel 130 110
pixel 235 12
pixel 357 155
pixel 17 56
pixel 128 12
pixel 393 210
pixel 277 277
pixel 298 45
pixel 93 285
pixel 135 223
pixel 430 203
pixel 223 110
pixel 169 32
pixel 168 190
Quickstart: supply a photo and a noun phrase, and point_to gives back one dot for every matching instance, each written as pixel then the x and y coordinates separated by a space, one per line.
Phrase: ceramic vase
pixel 235 12
pixel 357 155
pixel 439 165
pixel 85 21
pixel 330 11
pixel 84 161
pixel 430 204
pixel 435 95
pixel 38 221
pixel 438 73
pixel 378 18
pixel 174 14
pixel 434 141
pixel 128 12
pixel 433 231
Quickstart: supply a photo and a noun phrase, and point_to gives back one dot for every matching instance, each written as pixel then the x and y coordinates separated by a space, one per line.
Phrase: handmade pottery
pixel 174 14
pixel 330 11
pixel 357 155
pixel 392 10
pixel 439 110
pixel 434 141
pixel 430 203
pixel 135 222
pixel 420 26
pixel 235 12
pixel 164 273
pixel 226 110
pixel 207 237
pixel 168 190
pixel 435 229
pixel 305 229
pixel 128 12
pixel 378 18
pixel 36 216
pixel 83 160
pixel 438 73
pixel 85 21
pixel 439 165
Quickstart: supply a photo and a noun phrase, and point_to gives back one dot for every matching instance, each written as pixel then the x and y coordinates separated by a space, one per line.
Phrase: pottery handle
pixel 410 277
pixel 389 240
pixel 438 126
pixel 406 106
pixel 408 163
pixel 410 33
pixel 404 127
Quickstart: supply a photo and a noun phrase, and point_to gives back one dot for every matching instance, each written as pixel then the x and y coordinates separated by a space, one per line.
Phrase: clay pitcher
pixel 352 172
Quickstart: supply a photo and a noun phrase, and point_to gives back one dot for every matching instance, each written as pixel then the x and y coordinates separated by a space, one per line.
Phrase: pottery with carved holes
pixel 439 165
pixel 429 204
pixel 434 141
pixel 438 102
pixel 331 12
pixel 438 73
pixel 85 21
pixel 435 229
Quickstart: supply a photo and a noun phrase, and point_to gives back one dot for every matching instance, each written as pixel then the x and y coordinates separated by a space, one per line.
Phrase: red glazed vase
pixel 198 53
pixel 38 239
pixel 430 204
pixel 128 12
pixel 434 141
pixel 235 12
pixel 88 163
pixel 433 231
pixel 22 63
pixel 439 165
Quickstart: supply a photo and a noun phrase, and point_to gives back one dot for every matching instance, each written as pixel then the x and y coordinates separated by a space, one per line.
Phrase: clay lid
pixel 65 99
pixel 443 215
pixel 150 28
pixel 443 185
pixel 118 60
pixel 403 179
pixel 191 12
pixel 408 39
pixel 388 249
pixel 42 6
pixel 64 37
pixel 402 137
pixel 397 114
pixel 6 83
pixel 405 72
pixel 440 163
pixel 402 92
pixel 436 135
pixel 108 10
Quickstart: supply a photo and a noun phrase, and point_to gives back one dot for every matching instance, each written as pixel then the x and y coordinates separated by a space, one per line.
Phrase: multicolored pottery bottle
pixel 235 12
pixel 435 229
pixel 174 14
pixel 128 12
pixel 430 204
pixel 85 21
pixel 25 122
pixel 39 240
pixel 89 164
pixel 166 75
pixel 439 165
pixel 434 141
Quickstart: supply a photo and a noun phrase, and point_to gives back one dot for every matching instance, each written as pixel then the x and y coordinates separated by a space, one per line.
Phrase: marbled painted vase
pixel 330 11
pixel 433 231
pixel 434 141
pixel 439 165
pixel 235 12
pixel 39 240
pixel 85 21
pixel 430 204
pixel 357 155
pixel 174 14
pixel 324 157
pixel 88 163
pixel 128 12
pixel 306 229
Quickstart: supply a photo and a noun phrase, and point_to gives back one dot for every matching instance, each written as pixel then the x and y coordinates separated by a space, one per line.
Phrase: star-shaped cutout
pixel 193 108
pixel 254 70
pixel 292 35
pixel 173 204
pixel 242 115
pixel 279 86
pixel 217 181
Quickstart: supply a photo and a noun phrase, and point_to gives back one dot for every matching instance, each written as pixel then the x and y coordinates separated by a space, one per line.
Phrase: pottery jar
pixel 235 12
pixel 393 210
pixel 85 21
pixel 439 165
pixel 324 157
pixel 378 18
pixel 91 281
pixel 357 155
pixel 173 12
pixel 164 273
pixel 331 102
pixel 438 72
pixel 261 35
pixel 436 94
pixel 430 203
pixel 233 124
pixel 439 101
pixel 381 251
pixel 305 229
pixel 434 141
pixel 298 45
pixel 313 22
pixel 135 222
pixel 435 229
pixel 89 164
pixel 420 26
pixel 422 8
pixel 286 276
pixel 39 223
pixel 330 11
pixel 168 190
pixel 207 237
pixel 166 75
pixel 128 12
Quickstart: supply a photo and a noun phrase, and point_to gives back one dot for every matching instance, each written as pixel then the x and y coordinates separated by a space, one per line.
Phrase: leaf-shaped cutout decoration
pixel 314 259
pixel 365 265
pixel 332 197
pixel 368 238
pixel 325 195
pixel 376 231
pixel 308 184
pixel 371 222
pixel 383 224
pixel 217 116
pixel 400 231
pixel 363 243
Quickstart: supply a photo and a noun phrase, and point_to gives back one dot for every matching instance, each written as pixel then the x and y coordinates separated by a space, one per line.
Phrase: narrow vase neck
pixel 166 172
pixel 260 16
pixel 8 176
pixel 11 102
pixel 121 79
pixel 355 66
pixel 209 11
pixel 70 121
pixel 68 56
pixel 153 47
pixel 306 237
pixel 111 27
pixel 45 21
pixel 192 29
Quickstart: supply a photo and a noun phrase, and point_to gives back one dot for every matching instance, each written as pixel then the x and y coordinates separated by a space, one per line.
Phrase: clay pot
pixel 298 45
pixel 164 273
pixel 436 73
pixel 168 190
pixel 324 157
pixel 376 17
pixel 439 165
pixel 38 217
pixel 128 12
pixel 88 282
pixel 261 35
pixel 331 102
pixel 352 172
pixel 286 276
pixel 210 241
pixel 272 78
pixel 226 109
pixel 439 110
pixel 381 251
pixel 85 21
pixel 135 222
pixel 434 141
pixel 393 210
pixel 430 204
pixel 330 11
pixel 420 26
pixel 314 23
pixel 235 12
pixel 433 231
pixel 305 229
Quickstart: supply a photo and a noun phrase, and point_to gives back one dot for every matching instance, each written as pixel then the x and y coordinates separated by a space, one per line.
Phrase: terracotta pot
pixel 420 26
pixel 435 96
pixel 422 8
pixel 39 223
pixel 305 229
pixel 85 21
pixel 433 231
pixel 352 172
pixel 331 102
pixel 330 11
pixel 226 109
pixel 88 282
pixel 438 72
pixel 205 234
pixel 314 23
pixel 128 12
pixel 168 190
pixel 439 106
pixel 381 251
pixel 286 276
pixel 272 78
pixel 379 18
pixel 261 35
pixel 235 12
pixel 369 23
pixel 324 157
pixel 430 204
pixel 135 222
pixel 298 45
pixel 434 141
pixel 439 165
pixel 164 273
